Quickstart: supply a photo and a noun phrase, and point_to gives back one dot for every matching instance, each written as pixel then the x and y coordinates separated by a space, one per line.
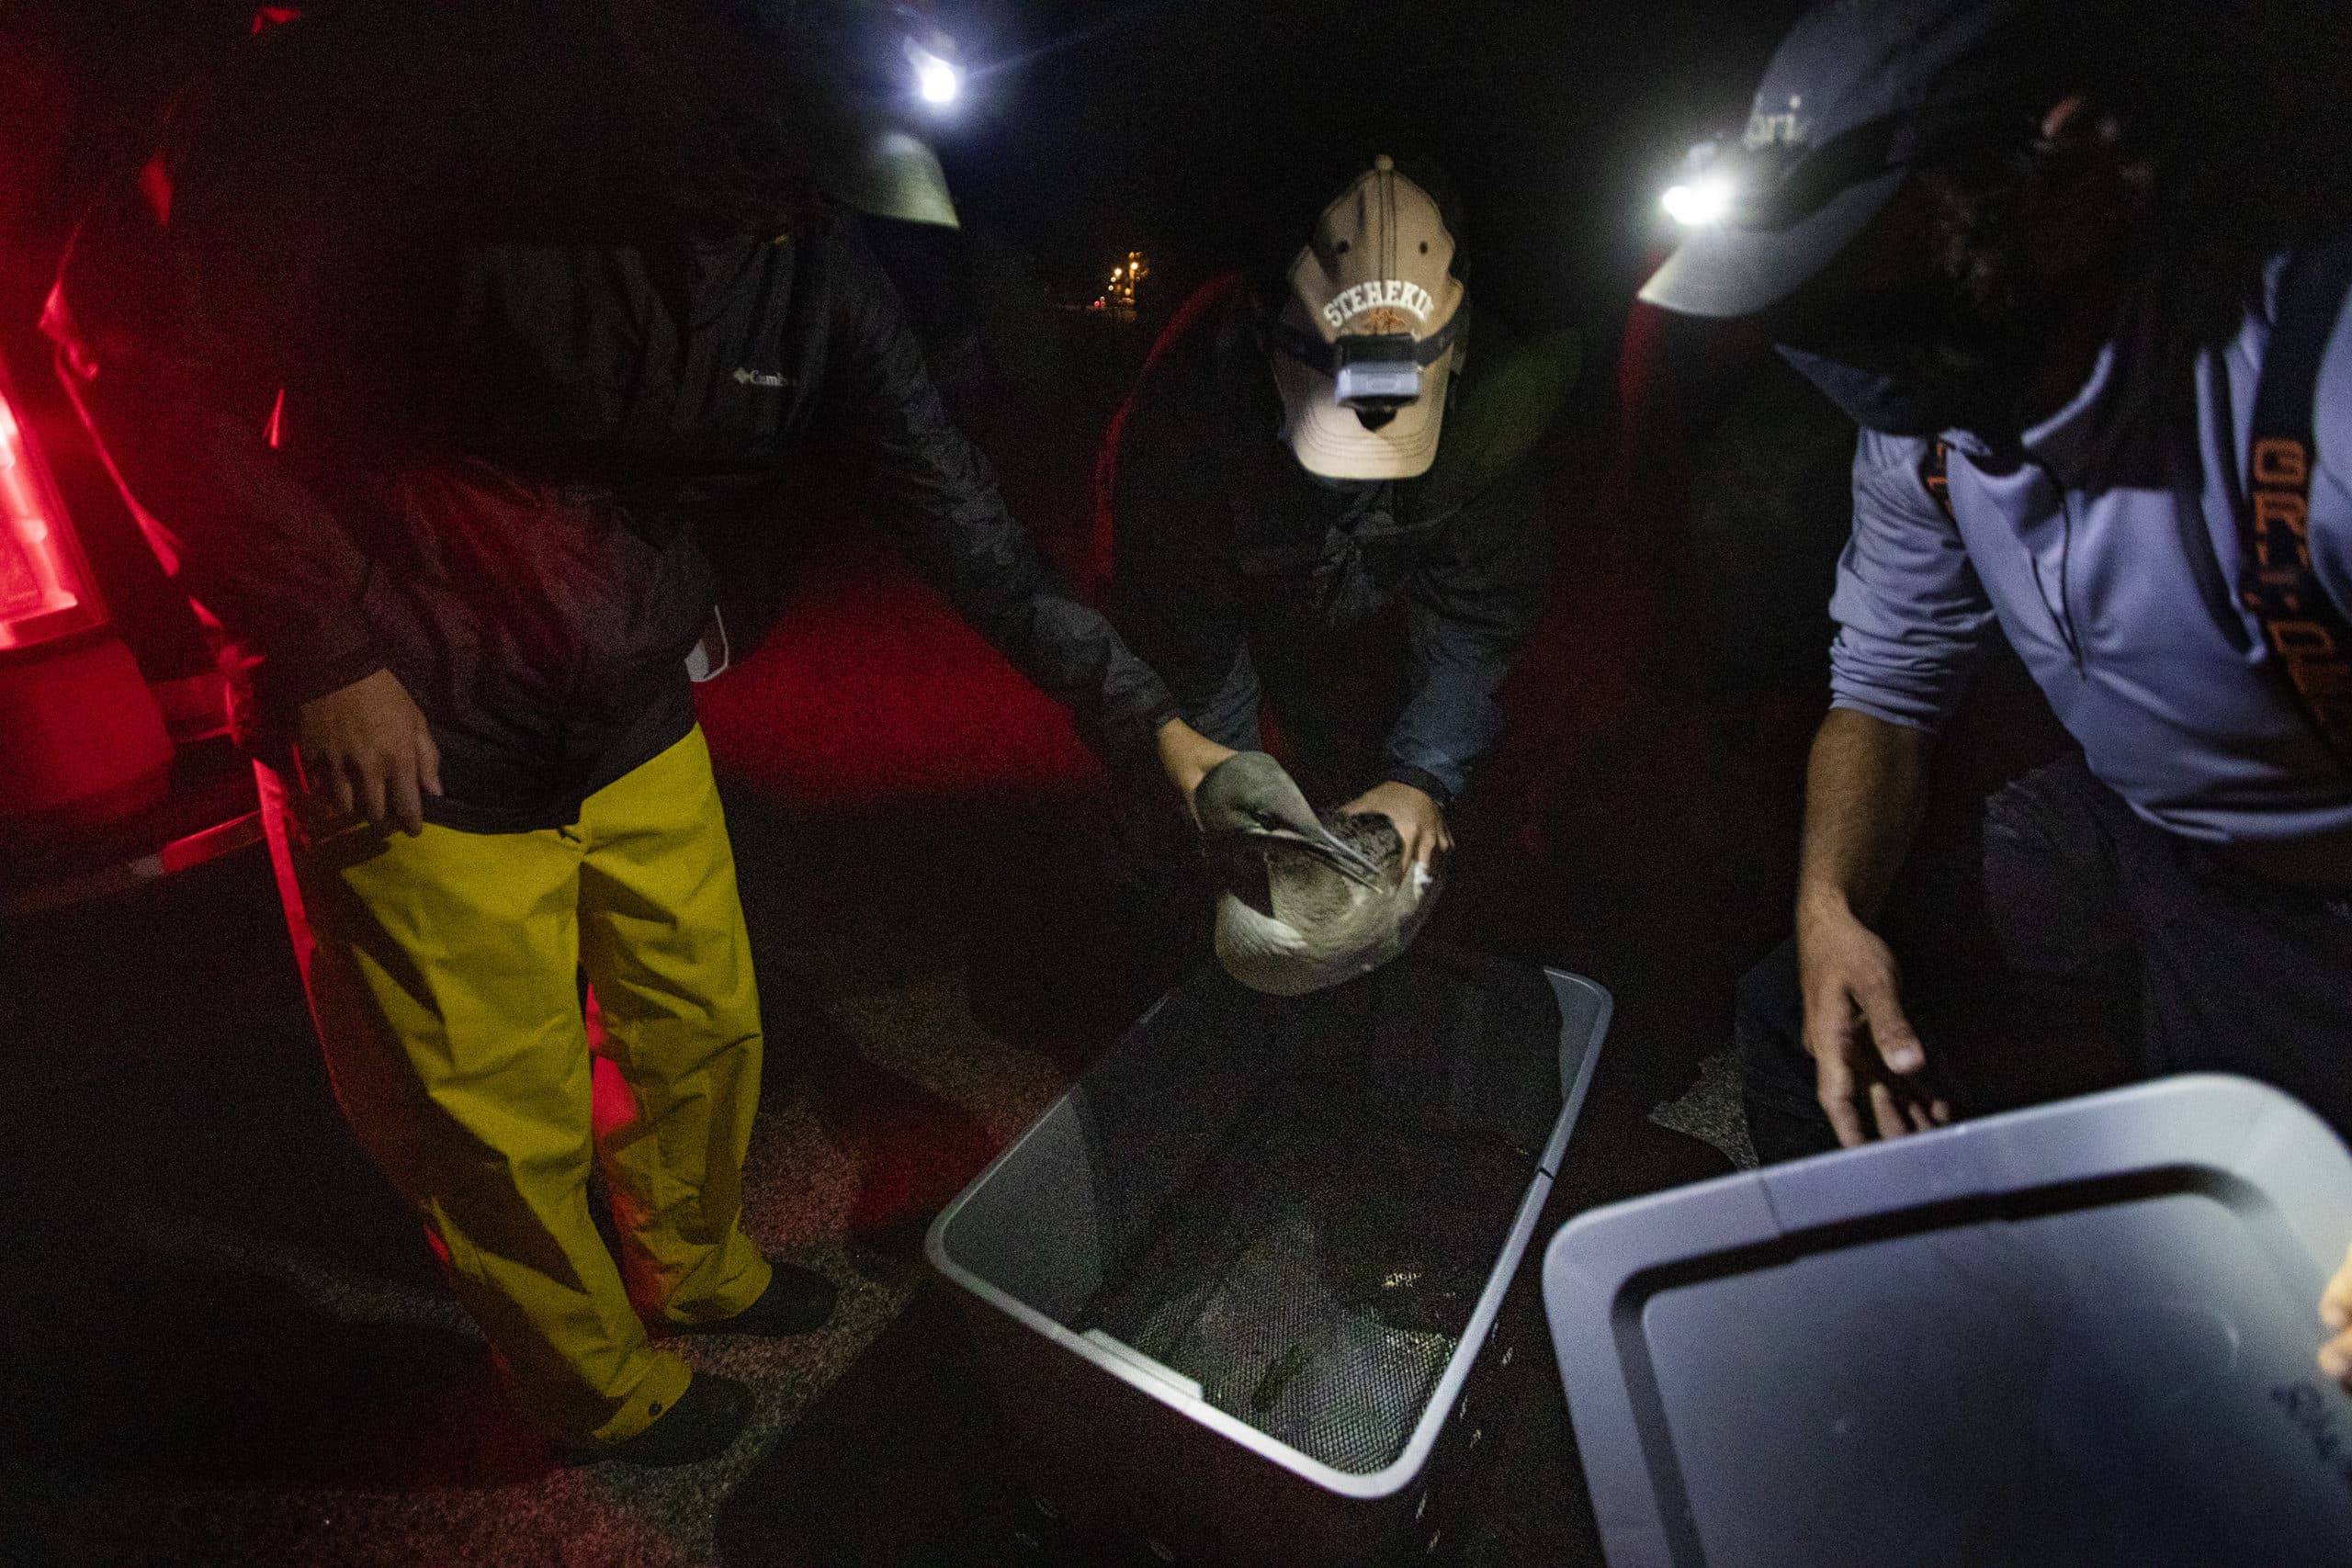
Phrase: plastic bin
pixel 1230 1289
pixel 2077 1334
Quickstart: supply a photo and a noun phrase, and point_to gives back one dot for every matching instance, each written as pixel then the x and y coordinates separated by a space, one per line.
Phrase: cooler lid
pixel 2081 1333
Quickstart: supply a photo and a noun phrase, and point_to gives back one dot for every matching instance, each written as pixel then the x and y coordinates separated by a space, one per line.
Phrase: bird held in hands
pixel 1309 901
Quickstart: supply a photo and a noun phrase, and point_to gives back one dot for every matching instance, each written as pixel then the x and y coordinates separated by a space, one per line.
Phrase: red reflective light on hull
pixel 82 742
pixel 45 589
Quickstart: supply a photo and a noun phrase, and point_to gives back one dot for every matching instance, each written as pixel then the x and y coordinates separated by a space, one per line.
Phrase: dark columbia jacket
pixel 1217 529
pixel 407 356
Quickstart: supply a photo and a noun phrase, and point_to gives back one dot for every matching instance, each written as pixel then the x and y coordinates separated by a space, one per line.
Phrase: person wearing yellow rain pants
pixel 441 970
pixel 429 350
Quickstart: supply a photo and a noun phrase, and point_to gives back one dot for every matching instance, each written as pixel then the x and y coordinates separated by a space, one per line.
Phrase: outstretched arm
pixel 1864 792
pixel 1174 597
pixel 940 491
pixel 1913 620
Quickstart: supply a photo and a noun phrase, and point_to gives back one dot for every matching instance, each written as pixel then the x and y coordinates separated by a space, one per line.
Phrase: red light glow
pixel 871 688
pixel 44 586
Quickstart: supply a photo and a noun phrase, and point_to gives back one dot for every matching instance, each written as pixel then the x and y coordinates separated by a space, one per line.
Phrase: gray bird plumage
pixel 1309 901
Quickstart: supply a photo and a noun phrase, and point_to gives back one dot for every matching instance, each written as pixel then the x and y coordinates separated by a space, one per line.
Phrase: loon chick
pixel 1309 902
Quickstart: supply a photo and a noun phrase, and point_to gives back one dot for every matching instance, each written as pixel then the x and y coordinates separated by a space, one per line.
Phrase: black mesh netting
pixel 1317 1264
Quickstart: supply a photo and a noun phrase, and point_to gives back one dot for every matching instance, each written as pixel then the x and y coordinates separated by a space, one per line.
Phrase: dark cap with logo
pixel 1858 94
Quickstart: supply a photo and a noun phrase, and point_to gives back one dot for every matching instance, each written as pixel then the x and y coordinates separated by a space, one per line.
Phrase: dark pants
pixel 2069 947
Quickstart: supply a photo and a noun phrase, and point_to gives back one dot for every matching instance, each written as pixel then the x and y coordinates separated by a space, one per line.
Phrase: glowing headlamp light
pixel 1704 191
pixel 937 78
pixel 1700 202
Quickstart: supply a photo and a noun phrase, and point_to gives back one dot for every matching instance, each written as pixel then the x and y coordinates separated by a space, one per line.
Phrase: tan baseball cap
pixel 1363 345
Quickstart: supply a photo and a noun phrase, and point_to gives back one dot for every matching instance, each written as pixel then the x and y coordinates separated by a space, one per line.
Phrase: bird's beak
pixel 1345 859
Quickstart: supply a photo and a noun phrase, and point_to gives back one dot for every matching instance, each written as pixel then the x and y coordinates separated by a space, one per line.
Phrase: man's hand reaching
pixel 1186 756
pixel 367 746
pixel 1420 822
pixel 1869 1070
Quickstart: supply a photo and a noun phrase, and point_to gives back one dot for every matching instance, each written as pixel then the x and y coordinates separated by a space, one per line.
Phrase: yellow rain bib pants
pixel 443 976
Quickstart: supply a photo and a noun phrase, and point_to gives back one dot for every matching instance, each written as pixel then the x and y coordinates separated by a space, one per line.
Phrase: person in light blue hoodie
pixel 2078 271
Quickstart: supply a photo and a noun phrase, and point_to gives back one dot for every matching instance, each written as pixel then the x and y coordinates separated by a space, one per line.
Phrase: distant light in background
pixel 1699 203
pixel 1120 295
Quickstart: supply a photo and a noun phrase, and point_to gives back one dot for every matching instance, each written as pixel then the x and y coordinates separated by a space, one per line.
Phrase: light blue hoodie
pixel 2121 597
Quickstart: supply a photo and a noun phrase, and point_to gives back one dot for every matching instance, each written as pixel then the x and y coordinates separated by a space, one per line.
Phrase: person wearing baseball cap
pixel 2079 273
pixel 1323 495
pixel 1364 334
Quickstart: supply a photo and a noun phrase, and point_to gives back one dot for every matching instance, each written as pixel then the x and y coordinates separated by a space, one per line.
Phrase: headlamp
pixel 1376 372
pixel 1708 188
pixel 1698 203
pixel 938 80
pixel 1772 185
pixel 1371 372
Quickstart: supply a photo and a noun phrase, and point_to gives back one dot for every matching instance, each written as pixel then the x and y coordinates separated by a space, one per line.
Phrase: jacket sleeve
pixel 185 416
pixel 1173 594
pixel 1912 619
pixel 940 492
pixel 1470 604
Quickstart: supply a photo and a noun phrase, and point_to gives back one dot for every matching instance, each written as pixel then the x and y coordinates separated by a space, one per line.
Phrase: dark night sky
pixel 1198 129
pixel 1208 132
